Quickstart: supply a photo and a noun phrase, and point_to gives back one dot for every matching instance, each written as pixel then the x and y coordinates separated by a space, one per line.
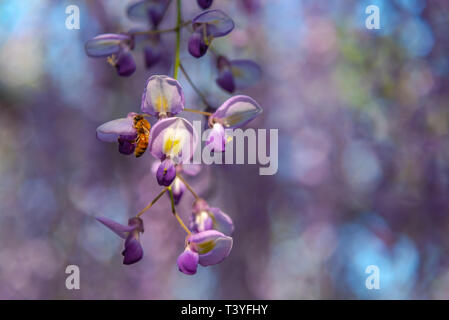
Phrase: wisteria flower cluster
pixel 172 139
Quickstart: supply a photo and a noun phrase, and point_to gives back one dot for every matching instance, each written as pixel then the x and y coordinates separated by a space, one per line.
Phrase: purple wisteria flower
pixel 120 130
pixel 197 46
pixel 117 47
pixel 205 218
pixel 188 261
pixel 133 251
pixel 152 55
pixel 205 248
pixel 152 50
pixel 237 74
pixel 166 172
pixel 205 4
pixel 235 112
pixel 173 141
pixel 208 25
pixel 162 96
pixel 178 187
pixel 152 10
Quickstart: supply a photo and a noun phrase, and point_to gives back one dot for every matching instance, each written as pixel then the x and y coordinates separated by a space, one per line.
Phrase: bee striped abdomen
pixel 141 145
pixel 143 135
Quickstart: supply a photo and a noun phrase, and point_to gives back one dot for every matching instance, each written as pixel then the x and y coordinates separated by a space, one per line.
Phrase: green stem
pixel 188 186
pixel 173 210
pixel 161 31
pixel 205 113
pixel 152 202
pixel 178 38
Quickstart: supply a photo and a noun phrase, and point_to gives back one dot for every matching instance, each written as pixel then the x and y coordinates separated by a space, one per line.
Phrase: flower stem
pixel 152 202
pixel 194 87
pixel 188 186
pixel 182 25
pixel 198 111
pixel 178 38
pixel 173 210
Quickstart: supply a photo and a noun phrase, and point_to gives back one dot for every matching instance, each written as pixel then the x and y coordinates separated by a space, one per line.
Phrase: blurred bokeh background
pixel 363 174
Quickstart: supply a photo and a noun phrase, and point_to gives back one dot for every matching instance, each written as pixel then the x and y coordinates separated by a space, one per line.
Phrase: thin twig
pixel 194 87
pixel 178 39
pixel 188 186
pixel 198 111
pixel 182 25
pixel 173 209
pixel 152 202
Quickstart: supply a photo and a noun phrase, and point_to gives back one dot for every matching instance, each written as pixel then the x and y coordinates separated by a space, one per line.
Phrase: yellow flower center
pixel 161 104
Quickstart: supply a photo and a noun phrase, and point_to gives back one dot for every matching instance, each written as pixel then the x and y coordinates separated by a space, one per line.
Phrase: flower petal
pixel 218 23
pixel 245 73
pixel 204 4
pixel 110 131
pixel 197 47
pixel 200 221
pixel 225 80
pixel 166 172
pixel 133 249
pixel 178 188
pixel 200 205
pixel 222 222
pixel 125 64
pixel 137 223
pixel 216 140
pixel 126 144
pixel 173 137
pixel 237 111
pixel 163 95
pixel 188 261
pixel 119 229
pixel 104 45
pixel 212 246
pixel 148 9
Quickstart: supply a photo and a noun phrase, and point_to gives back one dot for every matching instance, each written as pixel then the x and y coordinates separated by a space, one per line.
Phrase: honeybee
pixel 142 127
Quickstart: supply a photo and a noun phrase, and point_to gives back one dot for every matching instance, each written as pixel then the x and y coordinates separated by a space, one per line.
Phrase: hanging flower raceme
pixel 237 74
pixel 133 251
pixel 205 4
pixel 206 26
pixel 205 248
pixel 162 97
pixel 132 133
pixel 148 10
pixel 234 113
pixel 173 142
pixel 206 218
pixel 117 48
